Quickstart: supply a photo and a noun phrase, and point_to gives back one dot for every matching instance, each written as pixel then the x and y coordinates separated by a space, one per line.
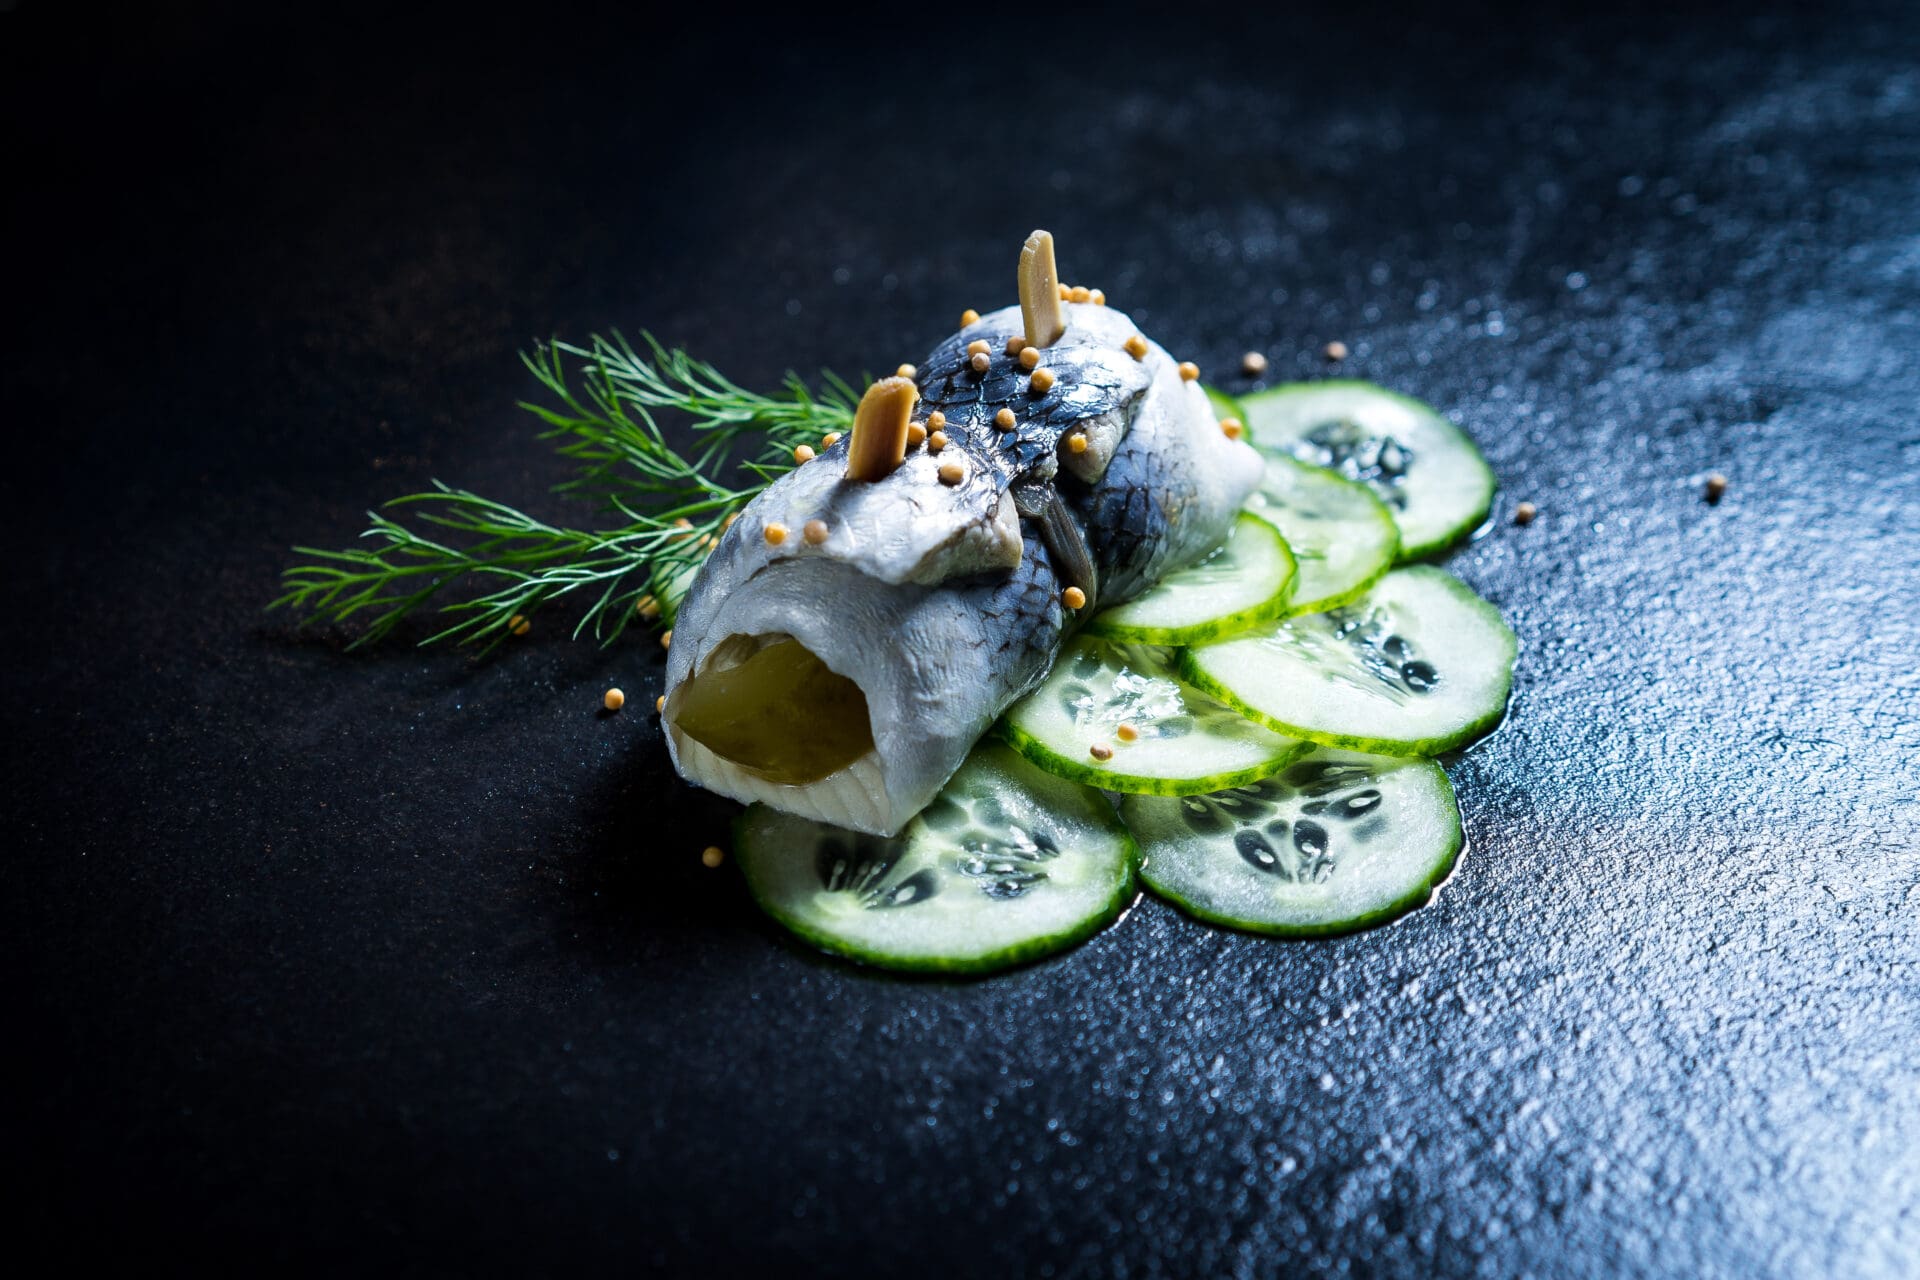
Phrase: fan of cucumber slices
pixel 1265 723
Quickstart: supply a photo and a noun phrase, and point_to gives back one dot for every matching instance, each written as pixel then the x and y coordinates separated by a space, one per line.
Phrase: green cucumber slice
pixel 1337 842
pixel 1008 863
pixel 1417 666
pixel 1224 405
pixel 1249 580
pixel 1343 539
pixel 1186 741
pixel 1425 469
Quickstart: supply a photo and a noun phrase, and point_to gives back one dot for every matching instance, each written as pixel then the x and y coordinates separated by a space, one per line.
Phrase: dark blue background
pixel 397 959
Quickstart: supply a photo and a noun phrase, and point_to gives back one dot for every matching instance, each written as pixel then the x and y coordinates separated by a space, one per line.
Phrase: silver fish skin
pixel 942 603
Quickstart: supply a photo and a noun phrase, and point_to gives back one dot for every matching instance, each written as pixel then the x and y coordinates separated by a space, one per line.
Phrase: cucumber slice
pixel 1248 580
pixel 1341 536
pixel 1338 842
pixel 1185 743
pixel 1008 863
pixel 1417 666
pixel 1430 476
pixel 1224 405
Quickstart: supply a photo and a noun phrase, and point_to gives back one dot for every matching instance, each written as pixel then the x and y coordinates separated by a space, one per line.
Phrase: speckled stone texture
pixel 398 961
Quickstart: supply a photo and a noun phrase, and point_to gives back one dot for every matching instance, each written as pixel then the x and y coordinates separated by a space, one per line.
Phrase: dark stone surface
pixel 404 960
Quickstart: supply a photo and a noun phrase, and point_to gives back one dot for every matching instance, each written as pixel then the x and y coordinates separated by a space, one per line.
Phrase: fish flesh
pixel 844 677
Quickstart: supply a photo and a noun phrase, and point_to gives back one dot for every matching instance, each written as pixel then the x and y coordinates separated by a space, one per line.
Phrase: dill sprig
pixel 672 504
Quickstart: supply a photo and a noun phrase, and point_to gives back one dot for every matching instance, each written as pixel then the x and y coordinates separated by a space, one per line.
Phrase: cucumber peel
pixel 1184 742
pixel 1337 842
pixel 1417 666
pixel 1424 468
pixel 1343 539
pixel 1247 581
pixel 1008 864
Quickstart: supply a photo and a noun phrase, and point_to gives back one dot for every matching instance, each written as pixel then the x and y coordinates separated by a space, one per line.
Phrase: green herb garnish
pixel 672 504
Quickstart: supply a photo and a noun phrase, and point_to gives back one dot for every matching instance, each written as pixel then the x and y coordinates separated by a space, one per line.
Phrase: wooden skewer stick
pixel 880 429
pixel 1040 291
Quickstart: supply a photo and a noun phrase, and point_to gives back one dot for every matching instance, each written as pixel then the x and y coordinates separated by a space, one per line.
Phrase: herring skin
pixel 942 602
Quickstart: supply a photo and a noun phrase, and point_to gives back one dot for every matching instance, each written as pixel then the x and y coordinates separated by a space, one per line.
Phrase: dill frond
pixel 671 504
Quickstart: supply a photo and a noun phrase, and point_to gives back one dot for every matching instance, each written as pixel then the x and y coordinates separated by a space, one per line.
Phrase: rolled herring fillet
pixel 845 679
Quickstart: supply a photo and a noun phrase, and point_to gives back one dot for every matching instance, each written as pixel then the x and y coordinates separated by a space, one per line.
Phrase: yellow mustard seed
pixel 1016 344
pixel 613 700
pixel 936 420
pixel 660 704
pixel 1004 420
pixel 1074 598
pixel 1126 733
pixel 969 316
pixel 978 347
pixel 666 638
pixel 830 439
pixel 1098 298
pixel 1080 293
pixel 1029 358
pixel 519 625
pixel 647 607
pixel 937 441
pixel 906 371
pixel 804 453
pixel 1189 371
pixel 1066 293
pixel 952 473
pixel 980 362
pixel 1041 382
pixel 815 532
pixel 1077 442
pixel 775 532
pixel 712 856
pixel 1137 347
pixel 916 433
pixel 1253 364
pixel 1233 428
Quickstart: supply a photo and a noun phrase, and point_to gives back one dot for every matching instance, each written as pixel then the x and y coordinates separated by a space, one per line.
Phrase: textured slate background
pixel 403 960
